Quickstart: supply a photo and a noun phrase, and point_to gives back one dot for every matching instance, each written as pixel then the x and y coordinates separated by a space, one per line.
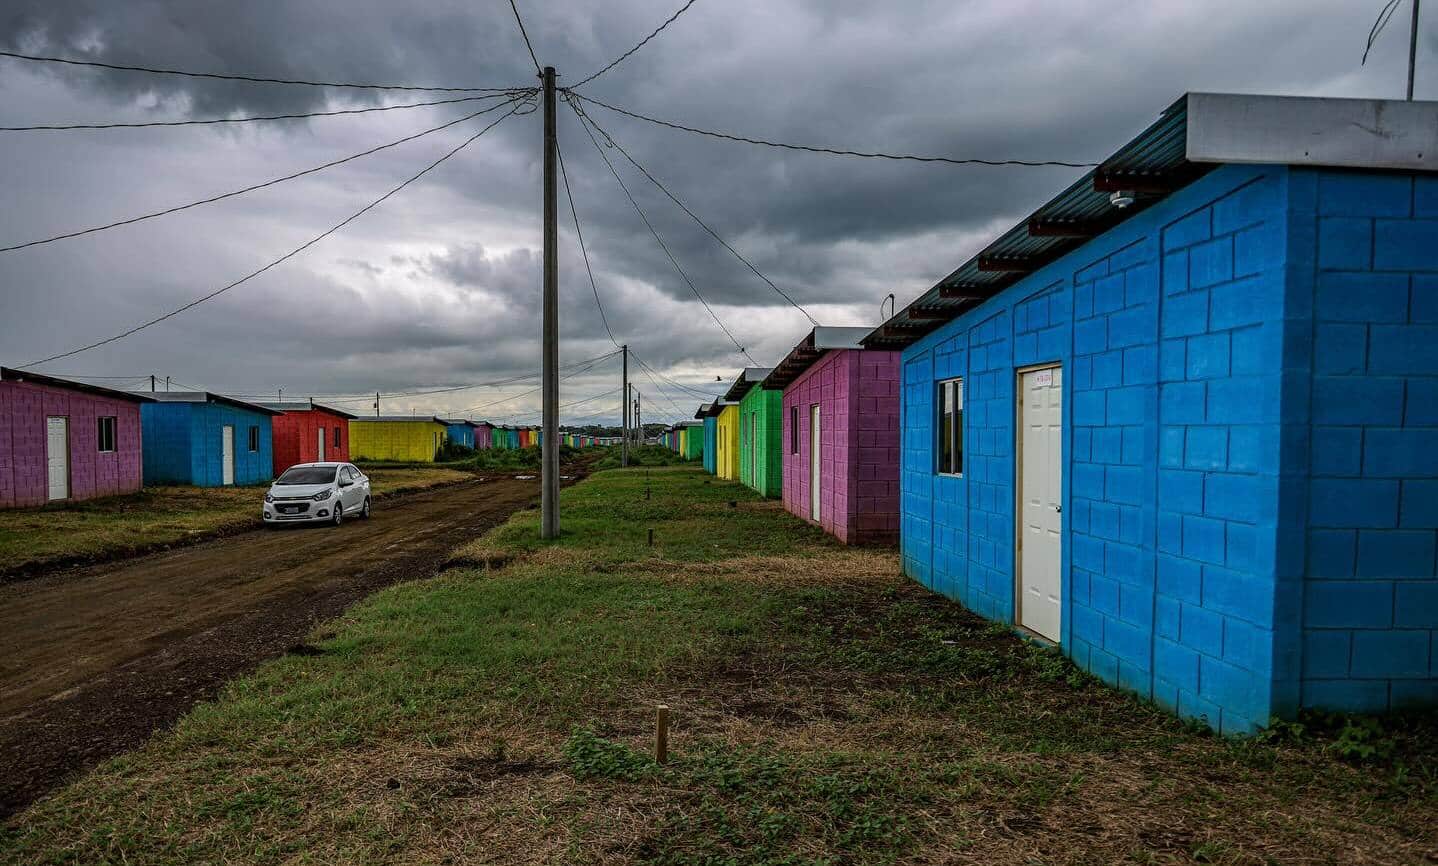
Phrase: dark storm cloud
pixel 440 285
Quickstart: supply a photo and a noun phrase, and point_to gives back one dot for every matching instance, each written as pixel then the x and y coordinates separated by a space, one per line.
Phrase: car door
pixel 350 493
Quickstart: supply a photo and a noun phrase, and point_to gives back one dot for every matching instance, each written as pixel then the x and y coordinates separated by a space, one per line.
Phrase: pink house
pixel 63 441
pixel 841 435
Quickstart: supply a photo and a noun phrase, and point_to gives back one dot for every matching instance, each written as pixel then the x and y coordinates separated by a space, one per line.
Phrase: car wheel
pixel 339 515
pixel 365 511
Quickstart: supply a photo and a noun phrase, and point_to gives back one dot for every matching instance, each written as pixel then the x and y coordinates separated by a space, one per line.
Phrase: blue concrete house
pixel 1183 421
pixel 207 440
pixel 709 414
pixel 459 431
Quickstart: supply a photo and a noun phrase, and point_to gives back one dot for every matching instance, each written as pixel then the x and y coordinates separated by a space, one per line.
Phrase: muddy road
pixel 95 660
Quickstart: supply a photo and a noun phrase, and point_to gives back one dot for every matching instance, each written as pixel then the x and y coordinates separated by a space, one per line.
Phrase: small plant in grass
pixel 1362 739
pixel 590 756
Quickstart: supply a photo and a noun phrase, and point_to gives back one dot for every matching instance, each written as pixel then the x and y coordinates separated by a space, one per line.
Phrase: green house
pixel 761 435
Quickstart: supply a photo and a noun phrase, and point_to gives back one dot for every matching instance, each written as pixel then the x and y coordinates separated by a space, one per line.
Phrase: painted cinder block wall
pixel 483 435
pixel 857 393
pixel 187 445
pixel 727 436
pixel 295 438
pixel 24 468
pixel 412 441
pixel 711 443
pixel 761 431
pixel 694 442
pixel 1248 453
pixel 460 434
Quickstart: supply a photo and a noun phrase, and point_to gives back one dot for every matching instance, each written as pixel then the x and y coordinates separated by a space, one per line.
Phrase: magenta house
pixel 63 441
pixel 841 435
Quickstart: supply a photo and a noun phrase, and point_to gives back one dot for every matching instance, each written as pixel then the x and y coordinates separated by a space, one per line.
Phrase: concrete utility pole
pixel 376 404
pixel 639 417
pixel 624 448
pixel 1412 48
pixel 549 453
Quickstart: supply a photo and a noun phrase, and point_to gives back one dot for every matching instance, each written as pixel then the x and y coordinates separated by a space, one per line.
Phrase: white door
pixel 1040 605
pixel 57 457
pixel 227 455
pixel 815 457
pixel 320 448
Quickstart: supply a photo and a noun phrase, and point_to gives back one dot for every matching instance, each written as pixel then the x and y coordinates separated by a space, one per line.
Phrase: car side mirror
pixel 346 483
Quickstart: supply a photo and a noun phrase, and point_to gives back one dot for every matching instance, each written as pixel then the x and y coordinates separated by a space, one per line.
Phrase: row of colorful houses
pixel 67 441
pixel 1179 422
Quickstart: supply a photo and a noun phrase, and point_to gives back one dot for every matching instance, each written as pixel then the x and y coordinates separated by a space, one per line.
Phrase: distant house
pixel 708 415
pixel 207 440
pixel 691 440
pixel 403 438
pixel 483 434
pixel 459 431
pixel 63 441
pixel 1182 421
pixel 309 433
pixel 841 435
pixel 726 435
pixel 760 431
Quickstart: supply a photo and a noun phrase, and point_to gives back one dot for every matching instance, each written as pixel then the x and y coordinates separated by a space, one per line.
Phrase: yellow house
pixel 727 443
pixel 403 438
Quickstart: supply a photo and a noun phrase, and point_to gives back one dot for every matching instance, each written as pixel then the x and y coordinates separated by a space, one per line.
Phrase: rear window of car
pixel 308 475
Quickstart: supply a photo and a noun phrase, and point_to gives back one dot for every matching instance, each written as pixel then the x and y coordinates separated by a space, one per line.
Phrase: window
pixel 337 437
pixel 794 430
pixel 106 431
pixel 950 404
pixel 254 438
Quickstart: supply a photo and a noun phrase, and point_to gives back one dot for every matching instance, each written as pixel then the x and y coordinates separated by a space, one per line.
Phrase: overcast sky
pixel 440 285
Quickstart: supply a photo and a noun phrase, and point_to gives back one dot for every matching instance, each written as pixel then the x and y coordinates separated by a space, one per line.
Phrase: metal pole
pixel 624 449
pixel 1412 48
pixel 639 417
pixel 376 404
pixel 152 384
pixel 167 384
pixel 549 495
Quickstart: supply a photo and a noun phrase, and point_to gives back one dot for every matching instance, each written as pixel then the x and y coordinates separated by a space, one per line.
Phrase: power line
pixel 297 250
pixel 253 187
pixel 830 150
pixel 695 391
pixel 525 33
pixel 577 372
pixel 217 120
pixel 662 245
pixel 715 235
pixel 580 234
pixel 250 78
pixel 1379 23
pixel 625 56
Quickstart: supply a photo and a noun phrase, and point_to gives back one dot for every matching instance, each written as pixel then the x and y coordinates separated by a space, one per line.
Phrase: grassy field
pixel 157 516
pixel 825 711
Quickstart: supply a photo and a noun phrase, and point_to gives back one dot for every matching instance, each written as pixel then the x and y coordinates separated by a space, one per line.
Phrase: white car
pixel 314 492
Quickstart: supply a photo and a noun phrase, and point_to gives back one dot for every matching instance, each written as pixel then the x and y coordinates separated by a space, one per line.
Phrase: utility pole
pixel 549 451
pixel 639 417
pixel 624 449
pixel 1412 48
pixel 376 404
pixel 152 383
pixel 167 384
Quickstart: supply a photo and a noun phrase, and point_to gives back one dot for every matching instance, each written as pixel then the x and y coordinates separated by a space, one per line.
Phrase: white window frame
pixel 955 389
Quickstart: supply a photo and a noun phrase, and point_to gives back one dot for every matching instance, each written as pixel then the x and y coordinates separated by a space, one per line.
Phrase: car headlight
pixel 323 495
pixel 269 497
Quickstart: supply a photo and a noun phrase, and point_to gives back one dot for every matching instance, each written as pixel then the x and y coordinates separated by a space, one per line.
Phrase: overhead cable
pixel 292 253
pixel 250 78
pixel 901 157
pixel 258 186
pixel 625 56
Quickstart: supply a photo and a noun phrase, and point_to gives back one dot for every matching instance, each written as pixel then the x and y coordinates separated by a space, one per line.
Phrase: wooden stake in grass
pixel 661 733
pixel 651 537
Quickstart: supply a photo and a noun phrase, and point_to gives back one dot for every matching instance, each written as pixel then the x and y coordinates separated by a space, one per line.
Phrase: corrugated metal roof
pixel 810 349
pixel 11 375
pixel 1150 166
pixel 307 407
pixel 209 397
pixel 747 379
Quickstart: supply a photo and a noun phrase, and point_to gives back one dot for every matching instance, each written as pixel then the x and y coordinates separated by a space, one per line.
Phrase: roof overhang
pixel 706 410
pixel 747 379
pixel 8 374
pixel 211 397
pixel 811 349
pixel 307 407
pixel 1190 138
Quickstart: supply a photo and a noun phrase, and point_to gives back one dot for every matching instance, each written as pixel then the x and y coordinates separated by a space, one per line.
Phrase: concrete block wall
pixel 760 464
pixel 1366 265
pixel 24 471
pixel 876 442
pixel 207 445
pixel 167 443
pixel 827 384
pixel 1173 379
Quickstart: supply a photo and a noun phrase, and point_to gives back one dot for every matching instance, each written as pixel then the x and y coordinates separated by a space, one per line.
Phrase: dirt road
pixel 94 660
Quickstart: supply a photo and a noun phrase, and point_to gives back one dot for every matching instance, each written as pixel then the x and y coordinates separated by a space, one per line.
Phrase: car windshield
pixel 308 475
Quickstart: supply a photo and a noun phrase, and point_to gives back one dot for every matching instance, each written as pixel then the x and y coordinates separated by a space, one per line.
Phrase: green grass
pixel 645 455
pixel 158 516
pixel 825 710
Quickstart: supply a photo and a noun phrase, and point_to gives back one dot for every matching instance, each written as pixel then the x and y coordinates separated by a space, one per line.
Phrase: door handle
pixel 1059 509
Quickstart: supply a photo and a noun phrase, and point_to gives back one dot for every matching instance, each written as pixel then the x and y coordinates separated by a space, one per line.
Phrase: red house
pixel 63 441
pixel 309 433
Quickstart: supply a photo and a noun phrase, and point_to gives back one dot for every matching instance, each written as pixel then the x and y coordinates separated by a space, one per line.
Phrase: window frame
pixel 337 444
pixel 254 439
pixel 100 430
pixel 794 429
pixel 952 408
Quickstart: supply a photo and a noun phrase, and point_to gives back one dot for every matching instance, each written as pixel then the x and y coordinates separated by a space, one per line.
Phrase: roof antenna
pixel 891 301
